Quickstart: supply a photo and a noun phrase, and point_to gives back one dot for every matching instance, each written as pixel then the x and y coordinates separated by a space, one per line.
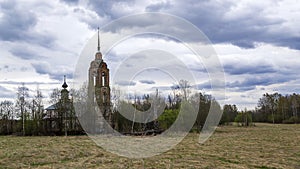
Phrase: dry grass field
pixel 263 146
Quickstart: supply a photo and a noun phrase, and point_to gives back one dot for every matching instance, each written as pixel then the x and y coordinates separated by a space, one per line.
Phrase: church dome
pixel 65 85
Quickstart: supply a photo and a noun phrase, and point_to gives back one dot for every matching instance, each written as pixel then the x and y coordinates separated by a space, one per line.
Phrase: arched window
pixel 104 97
pixel 94 79
pixel 103 79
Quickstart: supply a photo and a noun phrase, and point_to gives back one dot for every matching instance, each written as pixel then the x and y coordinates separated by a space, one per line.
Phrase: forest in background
pixel 27 113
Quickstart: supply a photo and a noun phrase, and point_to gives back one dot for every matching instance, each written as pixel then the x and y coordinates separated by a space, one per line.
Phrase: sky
pixel 257 43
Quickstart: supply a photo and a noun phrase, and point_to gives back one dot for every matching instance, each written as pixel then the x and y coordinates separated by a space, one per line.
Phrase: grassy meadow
pixel 263 146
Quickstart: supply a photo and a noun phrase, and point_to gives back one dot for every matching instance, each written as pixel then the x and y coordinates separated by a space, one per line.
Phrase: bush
pixel 167 118
pixel 291 120
pixel 244 119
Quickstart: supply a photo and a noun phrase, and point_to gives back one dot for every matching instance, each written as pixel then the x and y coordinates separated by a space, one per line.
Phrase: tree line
pixel 25 115
pixel 22 116
pixel 271 108
pixel 278 108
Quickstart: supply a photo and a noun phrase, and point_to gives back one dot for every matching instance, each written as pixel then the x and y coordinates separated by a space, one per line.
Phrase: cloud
pixel 232 21
pixel 158 6
pixel 17 24
pixel 112 56
pixel 26 83
pixel 162 88
pixel 32 31
pixel 54 73
pixel 126 83
pixel 215 84
pixel 250 83
pixel 70 2
pixel 5 93
pixel 292 42
pixel 238 69
pixel 241 23
pixel 41 68
pixel 25 53
pixel 89 17
pixel 111 9
pixel 243 88
pixel 263 81
pixel 147 81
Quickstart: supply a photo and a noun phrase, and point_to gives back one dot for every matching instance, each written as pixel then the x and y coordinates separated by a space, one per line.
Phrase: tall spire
pixel 98 55
pixel 98 48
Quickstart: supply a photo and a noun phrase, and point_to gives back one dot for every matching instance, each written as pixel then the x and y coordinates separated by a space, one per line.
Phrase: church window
pixel 103 79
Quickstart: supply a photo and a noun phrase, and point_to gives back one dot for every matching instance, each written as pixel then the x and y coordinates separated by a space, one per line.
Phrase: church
pixel 98 85
pixel 99 96
pixel 60 118
pixel 97 114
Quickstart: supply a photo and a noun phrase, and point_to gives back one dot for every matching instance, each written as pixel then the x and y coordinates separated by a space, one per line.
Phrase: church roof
pixel 52 107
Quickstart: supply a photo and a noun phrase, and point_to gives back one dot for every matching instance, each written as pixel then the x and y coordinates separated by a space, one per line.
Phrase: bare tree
pixel 55 96
pixel 37 109
pixel 22 104
pixel 7 114
pixel 175 88
pixel 116 94
pixel 294 105
pixel 185 88
pixel 80 99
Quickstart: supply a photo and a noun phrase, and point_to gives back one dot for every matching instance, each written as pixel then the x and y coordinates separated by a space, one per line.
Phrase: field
pixel 263 146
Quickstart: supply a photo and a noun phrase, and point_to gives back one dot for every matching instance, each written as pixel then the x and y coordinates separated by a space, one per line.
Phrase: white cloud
pixel 52 34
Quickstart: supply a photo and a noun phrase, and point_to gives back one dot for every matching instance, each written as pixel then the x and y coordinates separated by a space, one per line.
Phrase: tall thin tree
pixel 22 103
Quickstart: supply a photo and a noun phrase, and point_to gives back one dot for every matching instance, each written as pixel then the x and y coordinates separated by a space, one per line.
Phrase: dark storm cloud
pixel 147 81
pixel 217 20
pixel 251 82
pixel 70 2
pixel 262 81
pixel 235 69
pixel 246 88
pixel 205 85
pixel 17 23
pixel 244 30
pixel 25 53
pixel 41 68
pixel 158 6
pixel 292 42
pixel 126 83
pixel 14 21
pixel 216 84
pixel 104 8
pixel 54 73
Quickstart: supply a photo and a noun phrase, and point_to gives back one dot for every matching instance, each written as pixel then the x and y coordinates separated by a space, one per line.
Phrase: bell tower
pixel 99 89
